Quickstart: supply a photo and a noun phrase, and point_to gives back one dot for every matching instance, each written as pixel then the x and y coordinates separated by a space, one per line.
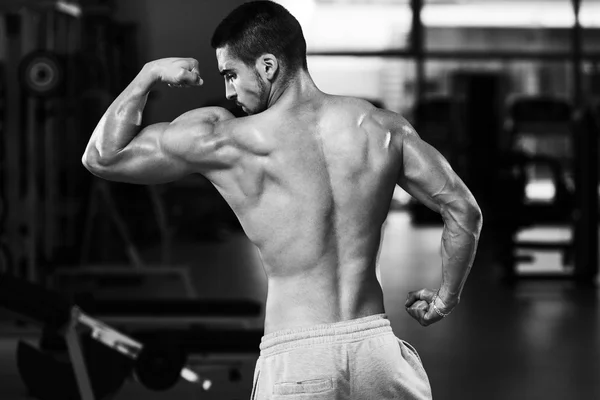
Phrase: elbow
pixel 472 216
pixel 467 215
pixel 477 217
pixel 92 161
pixel 87 161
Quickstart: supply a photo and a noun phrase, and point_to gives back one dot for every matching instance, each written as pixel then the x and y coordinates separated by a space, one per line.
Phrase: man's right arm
pixel 197 141
pixel 427 176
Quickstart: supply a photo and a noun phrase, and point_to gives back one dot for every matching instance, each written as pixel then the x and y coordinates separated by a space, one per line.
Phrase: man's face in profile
pixel 243 83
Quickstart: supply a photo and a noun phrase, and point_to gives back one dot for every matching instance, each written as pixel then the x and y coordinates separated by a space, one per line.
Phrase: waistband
pixel 337 332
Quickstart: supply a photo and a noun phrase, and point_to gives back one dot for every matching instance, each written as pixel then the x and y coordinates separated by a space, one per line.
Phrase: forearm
pixel 460 237
pixel 122 120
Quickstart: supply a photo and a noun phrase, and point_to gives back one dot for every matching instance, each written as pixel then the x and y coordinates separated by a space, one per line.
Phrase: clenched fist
pixel 427 307
pixel 176 72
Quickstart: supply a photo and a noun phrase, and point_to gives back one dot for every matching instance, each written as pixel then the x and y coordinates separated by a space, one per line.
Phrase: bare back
pixel 310 178
pixel 312 189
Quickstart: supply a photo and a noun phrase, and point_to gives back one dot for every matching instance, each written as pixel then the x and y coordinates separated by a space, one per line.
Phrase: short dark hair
pixel 260 27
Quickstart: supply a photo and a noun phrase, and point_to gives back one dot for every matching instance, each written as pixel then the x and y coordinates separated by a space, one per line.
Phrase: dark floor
pixel 530 340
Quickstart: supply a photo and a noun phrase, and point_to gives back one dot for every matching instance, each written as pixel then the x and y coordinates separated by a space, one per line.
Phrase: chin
pixel 257 110
pixel 253 110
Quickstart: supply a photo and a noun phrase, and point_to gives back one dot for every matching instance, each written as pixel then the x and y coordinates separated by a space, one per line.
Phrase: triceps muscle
pixel 144 161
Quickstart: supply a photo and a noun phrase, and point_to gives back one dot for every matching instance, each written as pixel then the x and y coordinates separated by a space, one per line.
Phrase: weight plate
pixel 41 74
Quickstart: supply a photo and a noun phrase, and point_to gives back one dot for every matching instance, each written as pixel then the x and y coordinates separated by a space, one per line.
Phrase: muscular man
pixel 310 177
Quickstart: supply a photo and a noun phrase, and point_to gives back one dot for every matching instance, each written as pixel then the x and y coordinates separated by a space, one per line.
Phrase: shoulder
pixel 366 113
pixel 348 105
pixel 201 128
pixel 199 137
pixel 344 111
pixel 211 115
pixel 395 122
pixel 402 133
pixel 206 123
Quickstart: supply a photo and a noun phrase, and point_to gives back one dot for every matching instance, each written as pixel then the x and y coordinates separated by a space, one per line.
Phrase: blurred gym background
pixel 506 90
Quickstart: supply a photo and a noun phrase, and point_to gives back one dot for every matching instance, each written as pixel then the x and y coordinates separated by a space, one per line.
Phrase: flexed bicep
pixel 166 152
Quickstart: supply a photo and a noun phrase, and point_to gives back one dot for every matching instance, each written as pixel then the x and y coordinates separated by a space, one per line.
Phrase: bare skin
pixel 310 177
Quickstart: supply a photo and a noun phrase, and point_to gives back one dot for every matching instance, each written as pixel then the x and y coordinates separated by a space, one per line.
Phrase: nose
pixel 229 92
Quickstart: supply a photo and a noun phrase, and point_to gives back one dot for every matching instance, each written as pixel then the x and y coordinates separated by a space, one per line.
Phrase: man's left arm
pixel 427 176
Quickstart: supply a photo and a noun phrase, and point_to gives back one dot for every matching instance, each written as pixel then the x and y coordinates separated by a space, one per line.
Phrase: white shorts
pixel 356 359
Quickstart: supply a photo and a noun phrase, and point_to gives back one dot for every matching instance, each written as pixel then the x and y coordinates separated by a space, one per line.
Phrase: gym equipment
pixel 42 74
pixel 214 335
pixel 3 202
pixel 221 337
pixel 69 8
pixel 58 314
pixel 117 281
pixel 5 258
pixel 159 363
pixel 45 78
pixel 542 126
pixel 46 376
pixel 585 232
pixel 540 136
pixel 35 74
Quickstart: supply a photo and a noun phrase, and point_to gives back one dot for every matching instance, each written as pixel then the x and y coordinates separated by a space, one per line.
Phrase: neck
pixel 299 89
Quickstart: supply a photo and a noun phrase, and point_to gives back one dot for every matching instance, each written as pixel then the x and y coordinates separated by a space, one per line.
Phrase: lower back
pixel 322 296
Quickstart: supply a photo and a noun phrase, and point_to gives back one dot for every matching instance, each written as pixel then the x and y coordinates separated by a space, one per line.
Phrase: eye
pixel 229 76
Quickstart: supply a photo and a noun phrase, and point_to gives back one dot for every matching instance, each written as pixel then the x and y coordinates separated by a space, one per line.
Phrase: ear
pixel 267 65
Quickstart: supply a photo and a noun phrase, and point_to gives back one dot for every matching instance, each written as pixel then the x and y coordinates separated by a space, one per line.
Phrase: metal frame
pixel 113 339
pixel 420 54
pixel 180 271
pixel 463 55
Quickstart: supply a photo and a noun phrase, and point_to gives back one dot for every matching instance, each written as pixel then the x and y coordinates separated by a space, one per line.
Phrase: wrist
pixel 146 78
pixel 439 307
pixel 447 297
